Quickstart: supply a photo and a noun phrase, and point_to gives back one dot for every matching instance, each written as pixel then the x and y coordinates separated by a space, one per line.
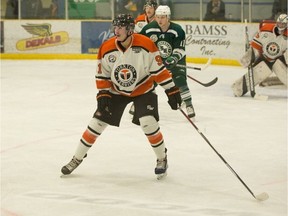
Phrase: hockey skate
pixel 161 167
pixel 72 165
pixel 190 111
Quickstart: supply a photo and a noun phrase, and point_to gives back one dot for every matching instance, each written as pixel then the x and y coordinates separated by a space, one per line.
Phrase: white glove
pixel 246 59
pixel 251 55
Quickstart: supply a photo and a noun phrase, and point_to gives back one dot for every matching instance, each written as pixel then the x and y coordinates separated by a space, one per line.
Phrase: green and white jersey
pixel 171 42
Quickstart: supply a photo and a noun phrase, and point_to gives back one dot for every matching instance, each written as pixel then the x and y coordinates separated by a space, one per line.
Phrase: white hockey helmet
pixel 282 22
pixel 163 10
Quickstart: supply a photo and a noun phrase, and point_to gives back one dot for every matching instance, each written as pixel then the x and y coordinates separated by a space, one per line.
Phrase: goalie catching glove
pixel 104 101
pixel 174 97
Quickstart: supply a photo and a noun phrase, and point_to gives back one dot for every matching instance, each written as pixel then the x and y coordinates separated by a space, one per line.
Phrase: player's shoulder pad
pixel 152 24
pixel 107 46
pixel 268 27
pixel 141 17
pixel 145 42
pixel 177 29
pixel 175 25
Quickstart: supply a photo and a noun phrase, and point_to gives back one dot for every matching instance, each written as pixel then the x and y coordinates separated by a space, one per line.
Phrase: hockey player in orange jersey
pixel 148 15
pixel 128 66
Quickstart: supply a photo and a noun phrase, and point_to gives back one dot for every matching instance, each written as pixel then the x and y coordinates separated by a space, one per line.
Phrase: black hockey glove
pixel 171 62
pixel 104 101
pixel 174 97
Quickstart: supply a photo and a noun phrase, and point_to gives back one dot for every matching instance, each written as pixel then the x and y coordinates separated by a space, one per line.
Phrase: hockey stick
pixel 212 82
pixel 196 68
pixel 260 197
pixel 250 69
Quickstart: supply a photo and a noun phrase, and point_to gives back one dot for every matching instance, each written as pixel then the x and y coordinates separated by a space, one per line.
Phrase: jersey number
pixel 99 69
pixel 158 60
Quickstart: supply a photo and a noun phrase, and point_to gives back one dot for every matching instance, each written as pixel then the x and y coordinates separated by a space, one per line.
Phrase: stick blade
pixel 262 197
pixel 207 64
pixel 212 82
pixel 260 97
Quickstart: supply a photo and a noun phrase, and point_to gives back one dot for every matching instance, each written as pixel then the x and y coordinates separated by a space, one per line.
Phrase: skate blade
pixel 63 176
pixel 161 176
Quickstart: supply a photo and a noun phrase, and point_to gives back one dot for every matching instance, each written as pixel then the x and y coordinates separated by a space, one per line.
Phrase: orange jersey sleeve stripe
pixel 164 75
pixel 103 84
pixel 143 88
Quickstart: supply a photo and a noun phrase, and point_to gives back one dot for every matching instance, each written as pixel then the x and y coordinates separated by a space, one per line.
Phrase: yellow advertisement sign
pixel 43 37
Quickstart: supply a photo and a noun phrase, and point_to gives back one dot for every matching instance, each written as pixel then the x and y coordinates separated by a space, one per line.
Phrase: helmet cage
pixel 151 3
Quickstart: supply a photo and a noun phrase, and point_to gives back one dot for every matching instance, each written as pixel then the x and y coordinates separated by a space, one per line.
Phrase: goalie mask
pixel 282 22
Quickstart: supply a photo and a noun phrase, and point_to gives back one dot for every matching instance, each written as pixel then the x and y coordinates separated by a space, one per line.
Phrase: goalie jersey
pixel 122 71
pixel 170 42
pixel 270 44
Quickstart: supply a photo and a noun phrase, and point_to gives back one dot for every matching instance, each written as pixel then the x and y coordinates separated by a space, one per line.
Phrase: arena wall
pixel 224 42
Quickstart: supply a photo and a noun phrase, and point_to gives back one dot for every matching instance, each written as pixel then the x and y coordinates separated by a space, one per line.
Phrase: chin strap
pixel 127 36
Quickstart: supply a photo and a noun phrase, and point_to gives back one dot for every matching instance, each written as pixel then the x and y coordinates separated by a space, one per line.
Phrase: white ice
pixel 46 106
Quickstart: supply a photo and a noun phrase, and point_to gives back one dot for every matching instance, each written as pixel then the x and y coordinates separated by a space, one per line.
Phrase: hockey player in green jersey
pixel 170 40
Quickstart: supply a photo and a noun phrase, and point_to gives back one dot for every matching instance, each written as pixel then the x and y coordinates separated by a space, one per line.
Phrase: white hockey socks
pixel 152 131
pixel 94 130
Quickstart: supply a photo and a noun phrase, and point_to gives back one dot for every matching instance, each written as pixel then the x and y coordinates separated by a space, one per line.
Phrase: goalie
pixel 267 54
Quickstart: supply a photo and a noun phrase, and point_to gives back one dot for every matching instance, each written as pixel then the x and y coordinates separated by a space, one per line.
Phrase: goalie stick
pixel 260 197
pixel 196 68
pixel 250 69
pixel 212 82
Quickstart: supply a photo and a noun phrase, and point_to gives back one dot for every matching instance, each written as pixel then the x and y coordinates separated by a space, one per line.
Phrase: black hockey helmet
pixel 151 3
pixel 124 20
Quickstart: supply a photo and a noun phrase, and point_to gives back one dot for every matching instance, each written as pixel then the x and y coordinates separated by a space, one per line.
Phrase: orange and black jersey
pixel 269 42
pixel 140 22
pixel 131 72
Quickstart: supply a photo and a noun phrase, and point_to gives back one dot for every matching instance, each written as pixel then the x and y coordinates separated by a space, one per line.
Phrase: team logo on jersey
pixel 165 48
pixel 154 38
pixel 140 25
pixel 112 58
pixel 125 75
pixel 273 49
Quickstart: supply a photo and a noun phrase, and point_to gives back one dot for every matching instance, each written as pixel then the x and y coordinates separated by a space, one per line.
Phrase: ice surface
pixel 46 106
